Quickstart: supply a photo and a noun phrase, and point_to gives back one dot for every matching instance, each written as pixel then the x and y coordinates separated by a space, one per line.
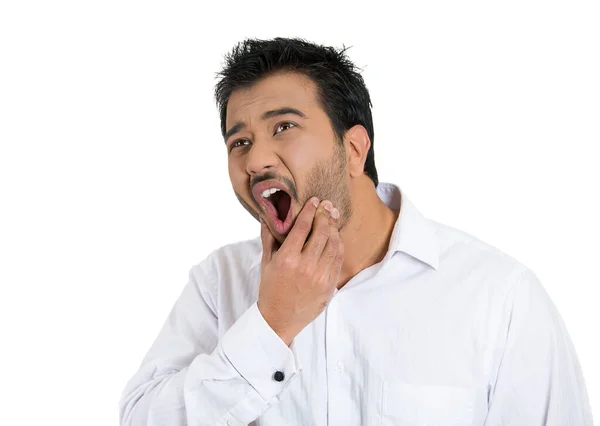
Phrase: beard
pixel 327 180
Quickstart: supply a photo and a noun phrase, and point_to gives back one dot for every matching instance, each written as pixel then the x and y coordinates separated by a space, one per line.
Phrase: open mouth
pixel 277 204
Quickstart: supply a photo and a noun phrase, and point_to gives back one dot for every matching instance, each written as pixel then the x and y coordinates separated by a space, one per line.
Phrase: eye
pixel 284 126
pixel 238 143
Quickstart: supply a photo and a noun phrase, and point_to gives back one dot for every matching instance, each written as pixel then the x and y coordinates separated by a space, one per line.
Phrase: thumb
pixel 268 242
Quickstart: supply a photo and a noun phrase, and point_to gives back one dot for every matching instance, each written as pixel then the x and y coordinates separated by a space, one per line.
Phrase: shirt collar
pixel 413 233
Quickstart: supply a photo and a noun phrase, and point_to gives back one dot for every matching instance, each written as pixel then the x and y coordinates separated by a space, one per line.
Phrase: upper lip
pixel 259 188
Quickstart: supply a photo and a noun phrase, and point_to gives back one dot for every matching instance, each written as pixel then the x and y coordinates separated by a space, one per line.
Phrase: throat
pixel 282 205
pixel 281 201
pixel 367 245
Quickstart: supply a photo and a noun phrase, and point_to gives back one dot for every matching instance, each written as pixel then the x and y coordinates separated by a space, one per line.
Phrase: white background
pixel 113 173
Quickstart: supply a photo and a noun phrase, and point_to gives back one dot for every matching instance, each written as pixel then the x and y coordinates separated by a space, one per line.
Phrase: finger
pixel 330 251
pixel 320 232
pixel 334 220
pixel 297 236
pixel 269 243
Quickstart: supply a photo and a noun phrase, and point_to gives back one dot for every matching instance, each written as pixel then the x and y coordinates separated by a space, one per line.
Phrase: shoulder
pixel 505 289
pixel 478 259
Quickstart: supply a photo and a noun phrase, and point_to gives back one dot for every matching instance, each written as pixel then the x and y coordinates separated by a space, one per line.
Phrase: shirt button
pixel 339 367
pixel 279 376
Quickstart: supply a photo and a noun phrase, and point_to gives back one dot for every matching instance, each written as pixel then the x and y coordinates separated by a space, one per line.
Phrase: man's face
pixel 280 140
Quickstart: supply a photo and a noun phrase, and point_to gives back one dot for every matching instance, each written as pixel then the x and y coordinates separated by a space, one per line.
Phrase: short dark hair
pixel 341 89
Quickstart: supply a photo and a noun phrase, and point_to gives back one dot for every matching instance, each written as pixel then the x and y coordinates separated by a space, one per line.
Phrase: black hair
pixel 341 88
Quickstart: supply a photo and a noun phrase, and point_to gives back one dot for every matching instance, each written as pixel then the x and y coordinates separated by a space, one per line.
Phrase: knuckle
pixel 330 254
pixel 323 234
pixel 317 246
pixel 287 261
pixel 334 240
pixel 323 229
pixel 305 270
pixel 339 256
pixel 323 282
pixel 303 225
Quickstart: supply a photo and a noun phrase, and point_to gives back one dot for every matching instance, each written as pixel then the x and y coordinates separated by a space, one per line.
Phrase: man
pixel 352 308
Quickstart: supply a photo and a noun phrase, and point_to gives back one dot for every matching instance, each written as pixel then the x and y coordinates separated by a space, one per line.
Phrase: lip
pixel 282 227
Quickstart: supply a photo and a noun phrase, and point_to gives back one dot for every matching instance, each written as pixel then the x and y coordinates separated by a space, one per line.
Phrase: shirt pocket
pixel 408 404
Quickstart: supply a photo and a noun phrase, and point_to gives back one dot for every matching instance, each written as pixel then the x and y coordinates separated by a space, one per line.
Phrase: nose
pixel 261 158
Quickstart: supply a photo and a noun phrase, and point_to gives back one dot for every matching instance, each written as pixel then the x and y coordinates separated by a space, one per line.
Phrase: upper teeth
pixel 267 192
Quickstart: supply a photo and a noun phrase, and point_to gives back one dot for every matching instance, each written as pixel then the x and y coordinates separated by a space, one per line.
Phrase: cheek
pixel 237 175
pixel 232 168
pixel 302 157
pixel 299 157
pixel 310 148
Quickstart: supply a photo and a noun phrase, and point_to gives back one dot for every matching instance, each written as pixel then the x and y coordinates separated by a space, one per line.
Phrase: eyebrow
pixel 239 126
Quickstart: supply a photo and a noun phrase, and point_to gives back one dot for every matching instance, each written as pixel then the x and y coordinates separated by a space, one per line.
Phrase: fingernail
pixel 335 213
pixel 315 202
pixel 328 206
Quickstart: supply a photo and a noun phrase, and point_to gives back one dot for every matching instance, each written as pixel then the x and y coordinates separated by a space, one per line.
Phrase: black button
pixel 279 376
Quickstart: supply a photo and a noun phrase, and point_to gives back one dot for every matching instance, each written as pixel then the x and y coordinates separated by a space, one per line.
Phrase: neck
pixel 367 233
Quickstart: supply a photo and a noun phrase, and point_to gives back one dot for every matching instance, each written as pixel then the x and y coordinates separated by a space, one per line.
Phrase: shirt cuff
pixel 257 353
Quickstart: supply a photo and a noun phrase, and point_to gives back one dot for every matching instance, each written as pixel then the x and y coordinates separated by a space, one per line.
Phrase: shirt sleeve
pixel 538 378
pixel 191 377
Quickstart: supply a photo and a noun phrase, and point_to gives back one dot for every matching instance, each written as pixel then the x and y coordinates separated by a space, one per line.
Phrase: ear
pixel 357 144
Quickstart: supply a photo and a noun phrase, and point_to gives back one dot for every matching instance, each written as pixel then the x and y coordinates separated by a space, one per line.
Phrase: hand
pixel 298 279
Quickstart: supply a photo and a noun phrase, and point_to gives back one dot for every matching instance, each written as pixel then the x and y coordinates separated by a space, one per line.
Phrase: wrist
pixel 282 331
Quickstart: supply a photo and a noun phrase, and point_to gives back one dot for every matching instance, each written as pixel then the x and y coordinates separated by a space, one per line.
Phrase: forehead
pixel 288 89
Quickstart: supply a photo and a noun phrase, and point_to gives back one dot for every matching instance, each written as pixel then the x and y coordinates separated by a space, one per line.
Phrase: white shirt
pixel 445 331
